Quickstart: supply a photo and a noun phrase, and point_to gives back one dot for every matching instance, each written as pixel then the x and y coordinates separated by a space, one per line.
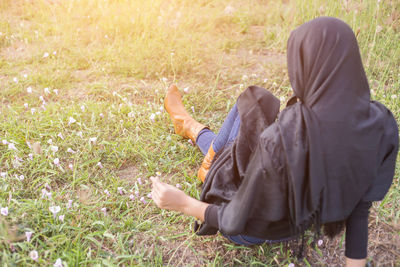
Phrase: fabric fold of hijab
pixel 335 146
pixel 302 147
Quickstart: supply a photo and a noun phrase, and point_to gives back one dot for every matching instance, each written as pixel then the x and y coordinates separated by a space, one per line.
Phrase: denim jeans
pixel 225 136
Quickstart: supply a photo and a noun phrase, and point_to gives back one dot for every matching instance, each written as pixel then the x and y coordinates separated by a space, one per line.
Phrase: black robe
pixel 324 153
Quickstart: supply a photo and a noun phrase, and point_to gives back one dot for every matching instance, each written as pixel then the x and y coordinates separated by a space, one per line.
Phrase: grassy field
pixel 82 125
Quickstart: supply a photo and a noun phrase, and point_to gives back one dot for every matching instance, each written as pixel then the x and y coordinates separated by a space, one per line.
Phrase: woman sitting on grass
pixel 321 162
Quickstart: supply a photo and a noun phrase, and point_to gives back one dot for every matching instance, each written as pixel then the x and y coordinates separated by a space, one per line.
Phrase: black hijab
pixel 326 152
pixel 336 139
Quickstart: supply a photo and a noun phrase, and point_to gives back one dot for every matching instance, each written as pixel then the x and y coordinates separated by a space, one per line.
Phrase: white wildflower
pixel 120 190
pixel 54 210
pixel 34 255
pixel 229 10
pixel 54 149
pixel 4 211
pixel 45 193
pixel 71 120
pixel 104 210
pixel 58 263
pixel 11 146
pixel 69 205
pixel 28 236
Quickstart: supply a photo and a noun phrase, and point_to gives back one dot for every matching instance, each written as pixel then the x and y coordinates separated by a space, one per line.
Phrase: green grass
pixel 116 58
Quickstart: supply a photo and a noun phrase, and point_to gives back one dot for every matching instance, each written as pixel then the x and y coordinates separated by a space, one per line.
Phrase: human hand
pixel 167 196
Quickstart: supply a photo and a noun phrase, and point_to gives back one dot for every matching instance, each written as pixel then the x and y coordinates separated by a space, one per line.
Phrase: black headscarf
pixel 326 152
pixel 334 138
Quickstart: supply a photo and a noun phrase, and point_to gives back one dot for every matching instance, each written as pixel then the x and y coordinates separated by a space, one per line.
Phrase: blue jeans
pixel 226 136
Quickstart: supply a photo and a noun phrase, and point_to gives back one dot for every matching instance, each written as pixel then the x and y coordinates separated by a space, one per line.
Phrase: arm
pixel 355 262
pixel 171 198
pixel 357 235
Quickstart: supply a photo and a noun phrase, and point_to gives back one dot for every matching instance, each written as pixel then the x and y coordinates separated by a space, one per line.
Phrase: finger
pixel 158 201
pixel 156 187
pixel 155 181
pixel 155 198
pixel 155 193
pixel 160 186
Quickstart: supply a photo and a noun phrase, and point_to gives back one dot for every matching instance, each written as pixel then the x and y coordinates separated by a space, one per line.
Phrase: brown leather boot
pixel 205 166
pixel 184 124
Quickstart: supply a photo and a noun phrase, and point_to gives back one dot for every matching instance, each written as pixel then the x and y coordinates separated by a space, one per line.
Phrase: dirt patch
pixel 264 56
pixel 257 32
pixel 77 92
pixel 17 51
pixel 85 195
pixel 383 246
pixel 383 243
pixel 81 75
pixel 128 172
pixel 252 62
pixel 3 79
